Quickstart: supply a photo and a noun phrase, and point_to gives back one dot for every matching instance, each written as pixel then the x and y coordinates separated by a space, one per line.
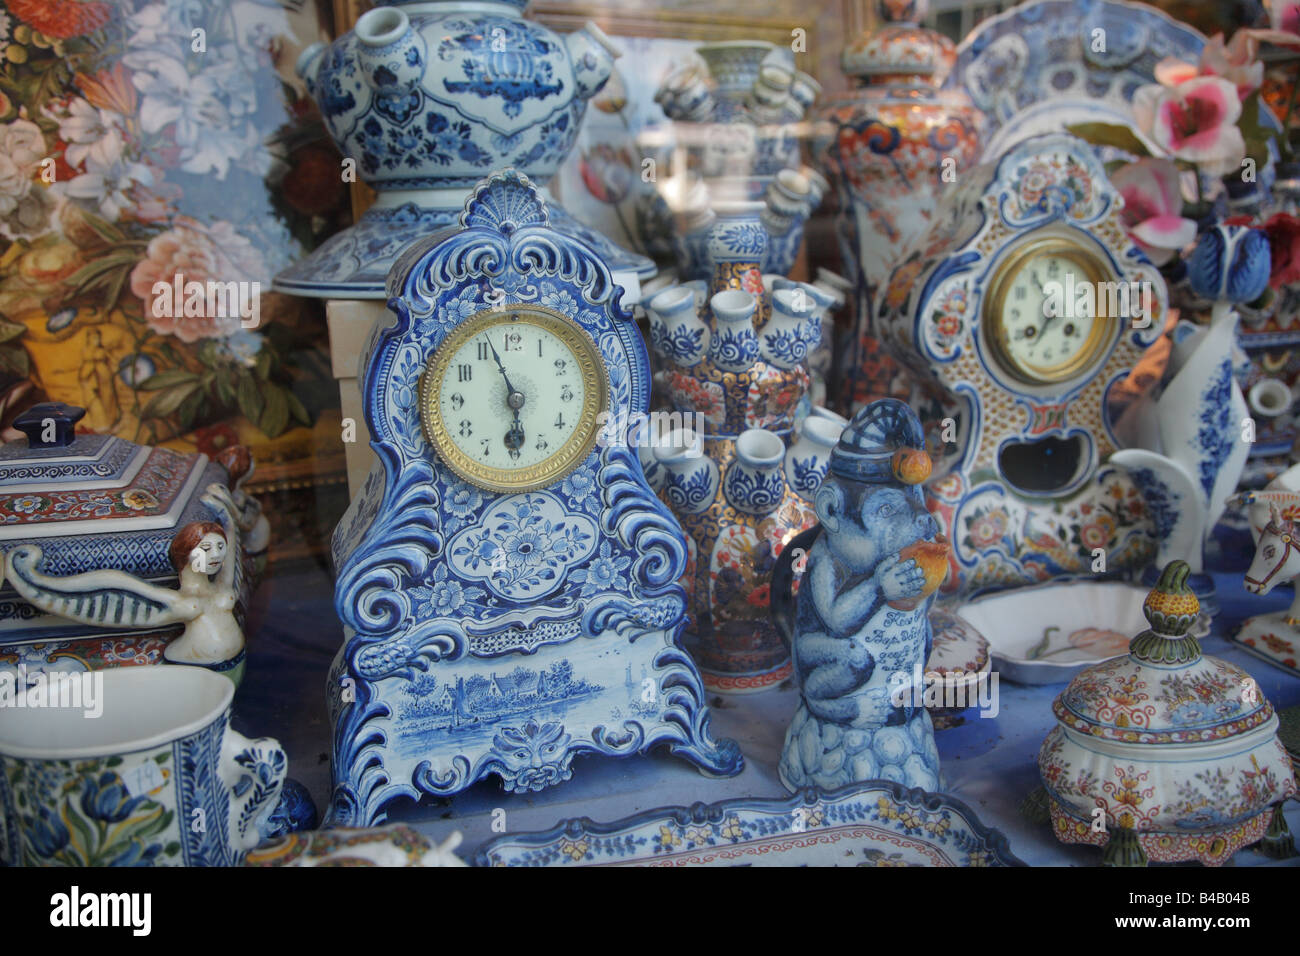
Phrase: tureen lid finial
pixel 1171 608
pixel 50 424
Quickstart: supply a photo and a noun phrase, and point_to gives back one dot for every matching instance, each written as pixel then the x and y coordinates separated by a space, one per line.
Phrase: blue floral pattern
pixel 523 545
pixel 752 490
pixel 604 573
pixel 443 596
pixel 1215 432
pixel 680 345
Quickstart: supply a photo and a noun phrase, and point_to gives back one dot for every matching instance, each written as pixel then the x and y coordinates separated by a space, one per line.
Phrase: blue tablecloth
pixel 990 764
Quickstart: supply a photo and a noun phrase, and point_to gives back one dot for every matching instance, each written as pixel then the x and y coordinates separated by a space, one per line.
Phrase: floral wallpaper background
pixel 144 138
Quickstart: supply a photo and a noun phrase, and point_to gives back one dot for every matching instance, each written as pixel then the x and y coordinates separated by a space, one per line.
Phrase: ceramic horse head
pixel 1277 552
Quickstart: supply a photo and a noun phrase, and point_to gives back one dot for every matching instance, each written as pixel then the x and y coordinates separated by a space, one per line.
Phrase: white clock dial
pixel 512 397
pixel 1040 332
pixel 1046 320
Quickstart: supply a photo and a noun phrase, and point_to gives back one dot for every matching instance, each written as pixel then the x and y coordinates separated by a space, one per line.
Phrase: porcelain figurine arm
pixel 97 598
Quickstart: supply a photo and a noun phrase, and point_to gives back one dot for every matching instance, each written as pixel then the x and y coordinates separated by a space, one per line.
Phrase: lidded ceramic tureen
pixel 1167 754
pixel 92 503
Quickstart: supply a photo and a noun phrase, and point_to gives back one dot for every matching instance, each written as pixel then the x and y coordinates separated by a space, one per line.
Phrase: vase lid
pixel 97 501
pixel 1165 691
pixel 901 48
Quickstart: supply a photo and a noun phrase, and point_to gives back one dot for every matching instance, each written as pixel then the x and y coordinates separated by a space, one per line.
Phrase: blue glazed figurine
pixel 860 634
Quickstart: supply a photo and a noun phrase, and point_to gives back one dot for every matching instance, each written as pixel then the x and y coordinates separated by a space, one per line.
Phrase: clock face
pixel 511 399
pixel 1046 312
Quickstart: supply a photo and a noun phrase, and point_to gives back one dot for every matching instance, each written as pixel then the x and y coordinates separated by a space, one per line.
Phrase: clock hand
pixel 515 436
pixel 514 397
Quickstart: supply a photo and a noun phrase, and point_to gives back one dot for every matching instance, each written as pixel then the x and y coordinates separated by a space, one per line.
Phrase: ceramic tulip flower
pixel 207 557
pixel 860 632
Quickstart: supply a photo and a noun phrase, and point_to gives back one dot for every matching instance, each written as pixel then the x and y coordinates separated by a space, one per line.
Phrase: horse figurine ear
pixel 1274 514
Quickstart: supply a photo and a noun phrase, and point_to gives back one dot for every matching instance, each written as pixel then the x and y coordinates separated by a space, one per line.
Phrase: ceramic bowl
pixel 1046 634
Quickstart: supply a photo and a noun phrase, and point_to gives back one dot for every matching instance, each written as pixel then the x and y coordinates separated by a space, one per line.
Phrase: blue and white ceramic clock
pixel 506 578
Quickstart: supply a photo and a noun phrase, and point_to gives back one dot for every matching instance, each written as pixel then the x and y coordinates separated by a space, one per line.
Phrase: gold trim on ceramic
pixel 997 336
pixel 571 454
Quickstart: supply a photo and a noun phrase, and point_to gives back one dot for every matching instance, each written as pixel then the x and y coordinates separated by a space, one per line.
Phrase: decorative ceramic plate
pixel 1047 633
pixel 393 845
pixel 1270 639
pixel 1036 68
pixel 875 823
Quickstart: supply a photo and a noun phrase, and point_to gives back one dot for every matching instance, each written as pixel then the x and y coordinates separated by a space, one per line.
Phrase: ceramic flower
pixel 1153 208
pixel 1230 263
pixel 1285 15
pixel 1195 121
pixel 1283 232
pixel 1234 61
pixel 607 173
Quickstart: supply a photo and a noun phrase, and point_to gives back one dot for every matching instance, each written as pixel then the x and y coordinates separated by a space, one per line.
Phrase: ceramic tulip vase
pixel 427 98
pixel 1197 434
pixel 1166 754
pixel 735 117
pixel 859 629
pixel 739 474
pixel 890 147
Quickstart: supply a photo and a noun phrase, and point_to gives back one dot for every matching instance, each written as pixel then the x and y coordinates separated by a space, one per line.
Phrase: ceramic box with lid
pixel 90 503
pixel 1166 754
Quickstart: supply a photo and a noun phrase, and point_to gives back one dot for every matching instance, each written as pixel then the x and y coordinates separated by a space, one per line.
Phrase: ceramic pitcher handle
pixel 253 771
pixel 782 592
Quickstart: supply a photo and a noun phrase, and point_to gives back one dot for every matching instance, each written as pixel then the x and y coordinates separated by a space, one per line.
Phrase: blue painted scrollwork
pixel 428 695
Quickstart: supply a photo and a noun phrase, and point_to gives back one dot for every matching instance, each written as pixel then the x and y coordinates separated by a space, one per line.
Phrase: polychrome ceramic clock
pixel 506 579
pixel 1025 308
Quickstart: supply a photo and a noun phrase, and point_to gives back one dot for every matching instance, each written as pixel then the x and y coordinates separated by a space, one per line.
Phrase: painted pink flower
pixel 1153 208
pixel 198 253
pixel 1234 61
pixel 1195 121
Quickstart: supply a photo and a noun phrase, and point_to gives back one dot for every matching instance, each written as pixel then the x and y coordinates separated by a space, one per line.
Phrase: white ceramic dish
pixel 1046 634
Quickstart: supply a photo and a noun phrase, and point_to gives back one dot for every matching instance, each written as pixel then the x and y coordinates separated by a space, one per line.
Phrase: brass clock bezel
pixel 1090 355
pixel 571 454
